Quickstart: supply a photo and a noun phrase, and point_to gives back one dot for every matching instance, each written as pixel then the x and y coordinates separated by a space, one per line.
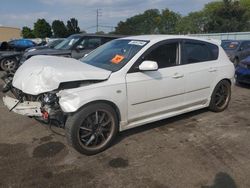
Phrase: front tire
pixel 9 65
pixel 92 129
pixel 221 96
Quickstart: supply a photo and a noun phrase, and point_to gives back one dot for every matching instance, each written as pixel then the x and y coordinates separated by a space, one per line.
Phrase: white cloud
pixel 20 20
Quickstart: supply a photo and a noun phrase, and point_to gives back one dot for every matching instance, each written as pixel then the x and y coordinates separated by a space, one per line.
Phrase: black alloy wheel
pixel 92 129
pixel 96 129
pixel 221 96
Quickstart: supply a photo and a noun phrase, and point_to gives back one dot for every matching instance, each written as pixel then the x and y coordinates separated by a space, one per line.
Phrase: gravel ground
pixel 200 149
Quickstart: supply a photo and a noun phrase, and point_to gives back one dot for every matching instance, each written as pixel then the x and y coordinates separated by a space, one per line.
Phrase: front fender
pixel 73 99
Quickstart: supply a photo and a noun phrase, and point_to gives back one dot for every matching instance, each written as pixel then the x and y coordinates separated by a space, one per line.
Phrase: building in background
pixel 8 33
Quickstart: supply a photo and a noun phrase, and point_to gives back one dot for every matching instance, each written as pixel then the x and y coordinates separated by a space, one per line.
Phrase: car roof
pixel 157 38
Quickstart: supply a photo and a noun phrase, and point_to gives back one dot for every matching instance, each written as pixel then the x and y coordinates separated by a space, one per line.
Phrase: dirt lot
pixel 199 149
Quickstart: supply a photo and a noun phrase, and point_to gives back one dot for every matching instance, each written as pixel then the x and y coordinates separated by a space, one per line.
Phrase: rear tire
pixel 221 96
pixel 92 129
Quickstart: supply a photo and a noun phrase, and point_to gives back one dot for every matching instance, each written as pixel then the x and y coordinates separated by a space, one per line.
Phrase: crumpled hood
pixel 41 74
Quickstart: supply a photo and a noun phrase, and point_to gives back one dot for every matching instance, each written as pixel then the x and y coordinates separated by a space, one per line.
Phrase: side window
pixel 214 50
pixel 196 52
pixel 83 43
pixel 245 45
pixel 166 55
pixel 106 39
pixel 94 43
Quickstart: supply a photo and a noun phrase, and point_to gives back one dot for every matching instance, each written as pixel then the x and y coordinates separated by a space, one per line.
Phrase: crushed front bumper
pixel 26 108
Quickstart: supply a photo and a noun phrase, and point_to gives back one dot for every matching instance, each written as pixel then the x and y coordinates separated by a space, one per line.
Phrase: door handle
pixel 177 75
pixel 212 69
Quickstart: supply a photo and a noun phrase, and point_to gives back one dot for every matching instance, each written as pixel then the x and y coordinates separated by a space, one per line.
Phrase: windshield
pixel 54 43
pixel 114 55
pixel 67 43
pixel 230 45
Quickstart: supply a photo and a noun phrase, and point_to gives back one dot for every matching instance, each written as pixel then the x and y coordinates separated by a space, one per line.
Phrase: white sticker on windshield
pixel 138 43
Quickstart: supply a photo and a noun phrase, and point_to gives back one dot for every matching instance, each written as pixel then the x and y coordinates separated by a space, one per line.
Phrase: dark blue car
pixel 242 73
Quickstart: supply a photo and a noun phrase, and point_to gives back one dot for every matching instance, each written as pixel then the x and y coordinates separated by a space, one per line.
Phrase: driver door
pixel 153 93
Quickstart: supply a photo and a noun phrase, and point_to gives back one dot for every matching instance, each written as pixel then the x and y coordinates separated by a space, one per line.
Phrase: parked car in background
pixel 242 73
pixel 3 46
pixel 50 44
pixel 236 50
pixel 9 60
pixel 75 46
pixel 21 44
pixel 11 52
pixel 123 84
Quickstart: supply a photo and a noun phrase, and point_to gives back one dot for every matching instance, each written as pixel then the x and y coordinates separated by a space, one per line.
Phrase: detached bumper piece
pixel 26 108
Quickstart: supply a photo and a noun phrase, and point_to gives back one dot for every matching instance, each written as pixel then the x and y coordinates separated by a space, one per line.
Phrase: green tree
pixel 59 29
pixel 72 26
pixel 169 21
pixel 193 23
pixel 246 4
pixel 229 16
pixel 42 29
pixel 27 32
pixel 151 21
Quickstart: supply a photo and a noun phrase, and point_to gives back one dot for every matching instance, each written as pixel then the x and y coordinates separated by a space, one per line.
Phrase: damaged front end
pixel 44 107
pixel 37 82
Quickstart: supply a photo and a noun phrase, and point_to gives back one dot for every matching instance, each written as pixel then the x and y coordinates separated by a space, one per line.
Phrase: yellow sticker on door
pixel 117 59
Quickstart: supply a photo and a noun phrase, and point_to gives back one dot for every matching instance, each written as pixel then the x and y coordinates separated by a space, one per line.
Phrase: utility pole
pixel 98 14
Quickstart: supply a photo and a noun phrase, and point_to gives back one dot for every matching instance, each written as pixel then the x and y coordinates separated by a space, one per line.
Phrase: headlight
pixel 50 98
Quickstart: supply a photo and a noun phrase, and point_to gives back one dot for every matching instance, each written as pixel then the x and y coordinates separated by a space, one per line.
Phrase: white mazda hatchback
pixel 123 84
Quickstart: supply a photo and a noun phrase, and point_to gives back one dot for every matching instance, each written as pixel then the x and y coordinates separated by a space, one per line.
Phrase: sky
pixel 19 13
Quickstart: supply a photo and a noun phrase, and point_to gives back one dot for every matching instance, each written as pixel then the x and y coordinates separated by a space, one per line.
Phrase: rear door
pixel 200 67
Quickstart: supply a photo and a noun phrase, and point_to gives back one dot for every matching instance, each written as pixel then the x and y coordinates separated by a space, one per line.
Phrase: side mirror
pixel 80 47
pixel 148 66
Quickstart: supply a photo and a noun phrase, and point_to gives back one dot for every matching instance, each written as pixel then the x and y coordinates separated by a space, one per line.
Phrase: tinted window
pixel 90 43
pixel 67 43
pixel 230 45
pixel 106 39
pixel 245 45
pixel 94 43
pixel 165 55
pixel 199 52
pixel 214 50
